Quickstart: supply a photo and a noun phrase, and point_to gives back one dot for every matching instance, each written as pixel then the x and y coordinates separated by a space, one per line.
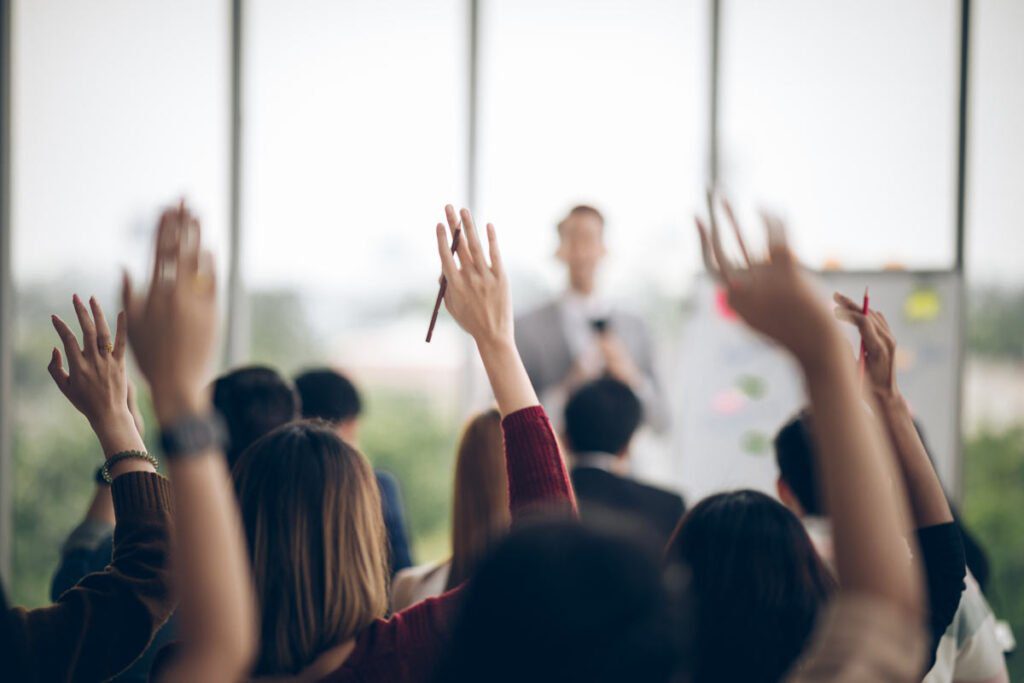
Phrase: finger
pixel 121 336
pixel 475 249
pixel 88 328
pixel 455 228
pixel 736 230
pixel 56 370
pixel 727 269
pixel 868 332
pixel 71 349
pixel 778 245
pixel 103 339
pixel 493 250
pixel 205 280
pixel 705 250
pixel 847 302
pixel 188 248
pixel 448 267
pixel 166 247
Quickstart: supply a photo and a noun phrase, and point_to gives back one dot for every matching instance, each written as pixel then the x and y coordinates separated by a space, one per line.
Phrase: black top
pixel 942 554
pixel 599 491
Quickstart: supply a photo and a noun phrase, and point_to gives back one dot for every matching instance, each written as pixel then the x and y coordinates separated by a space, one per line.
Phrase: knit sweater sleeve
pixel 536 471
pixel 102 624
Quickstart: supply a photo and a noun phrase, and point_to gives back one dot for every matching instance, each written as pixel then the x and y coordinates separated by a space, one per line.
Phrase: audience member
pixel 967 646
pixel 479 514
pixel 253 401
pixel 98 627
pixel 330 396
pixel 581 335
pixel 873 628
pixel 172 330
pixel 601 418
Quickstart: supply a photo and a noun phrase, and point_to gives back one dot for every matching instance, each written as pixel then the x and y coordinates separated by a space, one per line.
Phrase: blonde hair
pixel 311 510
pixel 480 515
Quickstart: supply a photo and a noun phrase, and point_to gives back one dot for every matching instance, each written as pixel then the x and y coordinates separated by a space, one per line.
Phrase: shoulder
pixel 540 315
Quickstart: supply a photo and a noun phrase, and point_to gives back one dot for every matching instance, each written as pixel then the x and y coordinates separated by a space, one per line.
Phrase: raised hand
pixel 879 343
pixel 478 298
pixel 772 294
pixel 172 328
pixel 478 292
pixel 95 381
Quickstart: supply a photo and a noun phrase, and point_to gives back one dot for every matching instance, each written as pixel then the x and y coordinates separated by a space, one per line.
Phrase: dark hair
pixel 794 454
pixel 601 416
pixel 581 209
pixel 328 395
pixel 253 401
pixel 316 539
pixel 757 584
pixel 559 601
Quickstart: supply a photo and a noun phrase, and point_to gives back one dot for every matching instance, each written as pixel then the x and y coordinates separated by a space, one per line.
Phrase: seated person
pixel 480 516
pixel 330 396
pixel 101 624
pixel 253 401
pixel 600 420
pixel 954 604
pixel 969 650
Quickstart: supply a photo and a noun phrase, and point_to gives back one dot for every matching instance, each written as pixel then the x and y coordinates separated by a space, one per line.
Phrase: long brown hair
pixel 480 514
pixel 312 516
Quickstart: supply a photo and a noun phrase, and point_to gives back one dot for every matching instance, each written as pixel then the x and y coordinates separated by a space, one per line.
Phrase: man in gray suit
pixel 580 336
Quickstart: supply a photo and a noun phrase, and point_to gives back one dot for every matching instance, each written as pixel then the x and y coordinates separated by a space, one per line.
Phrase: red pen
pixel 863 351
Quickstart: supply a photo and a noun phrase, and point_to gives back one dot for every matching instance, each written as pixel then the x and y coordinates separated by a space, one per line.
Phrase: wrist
pixel 117 432
pixel 495 346
pixel 172 405
pixel 829 351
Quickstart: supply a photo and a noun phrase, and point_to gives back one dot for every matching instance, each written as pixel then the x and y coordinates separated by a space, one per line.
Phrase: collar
pixel 598 461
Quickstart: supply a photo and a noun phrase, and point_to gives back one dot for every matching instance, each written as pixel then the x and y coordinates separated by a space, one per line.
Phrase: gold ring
pixel 108 347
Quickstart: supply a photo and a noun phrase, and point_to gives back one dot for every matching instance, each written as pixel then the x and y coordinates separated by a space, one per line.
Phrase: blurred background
pixel 319 140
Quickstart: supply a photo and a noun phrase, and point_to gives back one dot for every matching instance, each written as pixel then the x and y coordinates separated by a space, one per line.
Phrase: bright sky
pixel 841 115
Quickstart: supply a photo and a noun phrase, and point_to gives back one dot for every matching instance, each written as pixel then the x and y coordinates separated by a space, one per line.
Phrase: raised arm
pixel 104 622
pixel 855 463
pixel 478 298
pixel 939 539
pixel 172 333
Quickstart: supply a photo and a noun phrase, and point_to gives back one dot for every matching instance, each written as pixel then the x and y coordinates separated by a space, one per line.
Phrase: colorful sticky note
pixel 922 305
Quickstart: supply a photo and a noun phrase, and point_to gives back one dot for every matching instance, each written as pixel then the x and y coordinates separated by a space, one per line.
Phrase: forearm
pixel 856 472
pixel 536 469
pixel 505 371
pixel 211 563
pixel 928 501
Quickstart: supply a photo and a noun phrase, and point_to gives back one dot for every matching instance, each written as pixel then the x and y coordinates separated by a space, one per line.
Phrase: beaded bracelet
pixel 124 455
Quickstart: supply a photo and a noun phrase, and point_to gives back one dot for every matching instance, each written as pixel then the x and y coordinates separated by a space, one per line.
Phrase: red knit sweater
pixel 406 646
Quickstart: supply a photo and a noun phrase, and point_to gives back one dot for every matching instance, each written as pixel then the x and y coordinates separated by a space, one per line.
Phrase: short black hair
pixel 601 417
pixel 253 400
pixel 328 395
pixel 794 454
pixel 576 603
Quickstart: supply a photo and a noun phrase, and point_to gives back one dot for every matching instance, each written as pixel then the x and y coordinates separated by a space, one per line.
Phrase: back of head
pixel 602 416
pixel 480 513
pixel 757 584
pixel 328 395
pixel 794 454
pixel 253 401
pixel 561 602
pixel 311 511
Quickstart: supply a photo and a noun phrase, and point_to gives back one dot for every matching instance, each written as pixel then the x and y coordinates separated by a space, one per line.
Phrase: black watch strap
pixel 192 435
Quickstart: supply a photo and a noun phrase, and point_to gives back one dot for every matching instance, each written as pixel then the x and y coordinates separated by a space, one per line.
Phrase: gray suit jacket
pixel 540 336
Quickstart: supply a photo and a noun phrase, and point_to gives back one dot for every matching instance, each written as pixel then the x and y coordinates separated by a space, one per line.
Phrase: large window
pixel 118 108
pixel 354 139
pixel 842 116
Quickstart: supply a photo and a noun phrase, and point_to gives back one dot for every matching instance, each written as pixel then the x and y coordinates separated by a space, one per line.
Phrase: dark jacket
pixel 599 492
